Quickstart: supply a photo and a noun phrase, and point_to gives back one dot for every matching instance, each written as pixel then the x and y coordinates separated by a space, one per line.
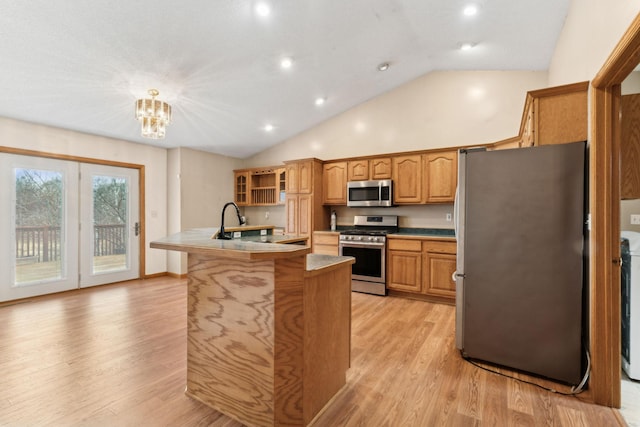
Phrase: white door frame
pixel 141 191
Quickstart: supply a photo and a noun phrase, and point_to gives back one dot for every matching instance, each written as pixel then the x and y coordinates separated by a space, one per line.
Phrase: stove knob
pixel 372 239
pixel 358 237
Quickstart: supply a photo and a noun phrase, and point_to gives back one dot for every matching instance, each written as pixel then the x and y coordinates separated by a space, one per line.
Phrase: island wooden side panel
pixel 230 347
pixel 327 337
pixel 289 356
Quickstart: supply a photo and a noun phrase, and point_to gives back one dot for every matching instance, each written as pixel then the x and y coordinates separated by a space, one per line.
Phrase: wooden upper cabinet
pixel 241 188
pixel 292 178
pixel 364 170
pixel 300 177
pixel 558 114
pixel 630 147
pixel 528 139
pixel 281 180
pixel 440 176
pixel 305 177
pixel 334 183
pixel 555 115
pixel 407 179
pixel 380 168
pixel 358 170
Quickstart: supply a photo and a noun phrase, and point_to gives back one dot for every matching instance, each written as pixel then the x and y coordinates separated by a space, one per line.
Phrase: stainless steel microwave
pixel 378 193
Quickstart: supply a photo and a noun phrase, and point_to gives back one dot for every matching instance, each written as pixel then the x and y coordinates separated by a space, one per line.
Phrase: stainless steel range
pixel 367 243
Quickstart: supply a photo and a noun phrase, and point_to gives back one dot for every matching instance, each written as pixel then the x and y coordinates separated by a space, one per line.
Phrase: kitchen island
pixel 268 327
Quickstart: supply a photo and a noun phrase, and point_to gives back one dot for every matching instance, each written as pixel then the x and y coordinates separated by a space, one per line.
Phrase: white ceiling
pixel 81 65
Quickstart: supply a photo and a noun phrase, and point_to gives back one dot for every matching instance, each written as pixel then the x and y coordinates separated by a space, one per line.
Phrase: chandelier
pixel 154 115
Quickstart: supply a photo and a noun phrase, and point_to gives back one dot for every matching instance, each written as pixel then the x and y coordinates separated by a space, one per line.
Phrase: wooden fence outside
pixel 43 243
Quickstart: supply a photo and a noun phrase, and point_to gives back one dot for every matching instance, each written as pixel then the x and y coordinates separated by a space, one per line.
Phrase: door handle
pixel 136 229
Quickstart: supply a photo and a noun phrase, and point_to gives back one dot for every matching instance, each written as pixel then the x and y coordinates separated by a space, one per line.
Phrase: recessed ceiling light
pixel 320 101
pixel 384 66
pixel 286 63
pixel 268 127
pixel 466 46
pixel 470 10
pixel 262 9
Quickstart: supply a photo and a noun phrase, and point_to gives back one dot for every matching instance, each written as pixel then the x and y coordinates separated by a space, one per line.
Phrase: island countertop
pixel 198 240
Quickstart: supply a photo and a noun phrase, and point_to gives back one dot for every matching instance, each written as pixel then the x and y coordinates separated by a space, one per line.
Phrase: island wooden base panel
pixel 230 343
pixel 266 345
pixel 115 355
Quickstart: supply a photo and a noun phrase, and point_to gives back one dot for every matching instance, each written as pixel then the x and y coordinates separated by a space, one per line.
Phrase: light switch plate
pixel 237 234
pixel 635 219
pixel 263 232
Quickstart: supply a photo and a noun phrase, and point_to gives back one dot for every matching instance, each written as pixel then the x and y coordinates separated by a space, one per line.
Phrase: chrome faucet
pixel 221 234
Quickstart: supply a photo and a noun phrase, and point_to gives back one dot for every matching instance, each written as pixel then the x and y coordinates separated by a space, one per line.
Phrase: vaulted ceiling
pixel 81 65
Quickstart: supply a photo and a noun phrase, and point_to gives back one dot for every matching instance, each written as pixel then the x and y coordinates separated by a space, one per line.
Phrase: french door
pixel 65 225
pixel 109 225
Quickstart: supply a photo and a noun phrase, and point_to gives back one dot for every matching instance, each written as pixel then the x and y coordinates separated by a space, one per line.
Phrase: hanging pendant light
pixel 154 115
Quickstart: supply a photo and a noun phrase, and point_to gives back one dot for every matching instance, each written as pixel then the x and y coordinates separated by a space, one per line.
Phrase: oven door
pixel 370 260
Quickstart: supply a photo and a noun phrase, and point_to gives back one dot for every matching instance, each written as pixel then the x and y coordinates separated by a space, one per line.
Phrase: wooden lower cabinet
pixel 404 260
pixel 326 243
pixel 422 267
pixel 299 214
pixel 438 266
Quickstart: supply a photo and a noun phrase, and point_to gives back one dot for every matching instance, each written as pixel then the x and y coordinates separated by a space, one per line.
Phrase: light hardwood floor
pixel 115 356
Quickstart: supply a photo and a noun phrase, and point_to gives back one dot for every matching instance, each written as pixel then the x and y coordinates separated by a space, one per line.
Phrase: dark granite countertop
pixel 407 231
pixel 429 232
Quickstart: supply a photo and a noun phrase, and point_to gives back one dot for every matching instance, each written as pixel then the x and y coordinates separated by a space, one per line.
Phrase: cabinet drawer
pixel 439 247
pixel 326 238
pixel 405 245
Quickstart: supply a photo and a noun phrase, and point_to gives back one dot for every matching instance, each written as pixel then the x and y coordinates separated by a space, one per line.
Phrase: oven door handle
pixel 361 245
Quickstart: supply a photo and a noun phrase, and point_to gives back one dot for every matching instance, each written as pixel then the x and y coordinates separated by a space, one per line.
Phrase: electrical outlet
pixel 448 217
pixel 635 219
pixel 263 232
pixel 237 234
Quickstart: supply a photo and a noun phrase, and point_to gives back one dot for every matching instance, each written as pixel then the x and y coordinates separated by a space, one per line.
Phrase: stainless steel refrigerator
pixel 519 278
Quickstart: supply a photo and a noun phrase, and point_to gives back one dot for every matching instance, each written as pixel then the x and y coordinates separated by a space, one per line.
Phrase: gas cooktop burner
pixel 361 232
pixel 372 225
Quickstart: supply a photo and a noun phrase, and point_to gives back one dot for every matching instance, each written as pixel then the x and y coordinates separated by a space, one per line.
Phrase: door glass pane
pixel 110 213
pixel 39 225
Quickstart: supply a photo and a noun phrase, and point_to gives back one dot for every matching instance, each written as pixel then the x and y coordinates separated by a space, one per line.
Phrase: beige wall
pixel 591 31
pixel 631 84
pixel 628 208
pixel 18 134
pixel 439 109
pixel 199 185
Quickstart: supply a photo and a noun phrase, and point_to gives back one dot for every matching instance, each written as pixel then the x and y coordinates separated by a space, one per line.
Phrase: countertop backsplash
pixel 273 215
pixel 422 216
